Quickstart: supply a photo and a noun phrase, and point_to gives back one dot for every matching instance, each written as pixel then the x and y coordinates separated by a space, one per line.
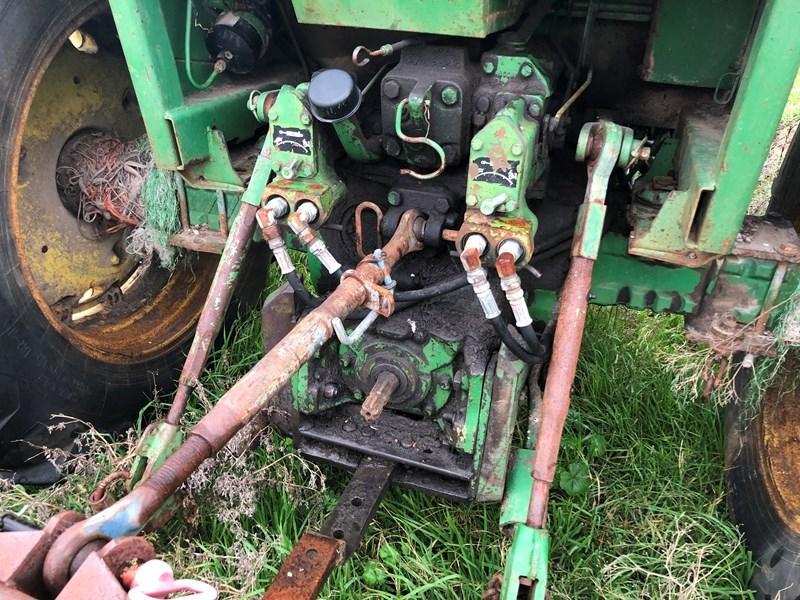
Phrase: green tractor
pixel 464 177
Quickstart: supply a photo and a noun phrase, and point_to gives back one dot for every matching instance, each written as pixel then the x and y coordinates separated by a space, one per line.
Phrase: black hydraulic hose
pixel 532 340
pixel 451 284
pixel 301 292
pixel 501 328
pixel 404 297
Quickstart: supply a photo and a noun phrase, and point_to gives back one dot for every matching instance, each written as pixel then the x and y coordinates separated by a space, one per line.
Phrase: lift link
pixel 160 440
pixel 600 146
pixel 251 394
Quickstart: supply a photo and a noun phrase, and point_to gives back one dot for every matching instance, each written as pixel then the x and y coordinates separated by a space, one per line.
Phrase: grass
pixel 651 525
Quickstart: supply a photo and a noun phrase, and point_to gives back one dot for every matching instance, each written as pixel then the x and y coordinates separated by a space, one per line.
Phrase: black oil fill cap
pixel 333 95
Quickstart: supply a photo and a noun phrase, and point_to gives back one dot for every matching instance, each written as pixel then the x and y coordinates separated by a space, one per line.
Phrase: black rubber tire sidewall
pixel 775 547
pixel 41 373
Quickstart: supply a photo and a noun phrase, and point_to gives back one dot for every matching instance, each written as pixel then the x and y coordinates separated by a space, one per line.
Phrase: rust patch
pixel 778 453
pixel 306 569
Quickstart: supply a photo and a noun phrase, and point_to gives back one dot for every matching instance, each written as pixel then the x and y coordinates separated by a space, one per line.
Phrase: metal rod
pixel 772 294
pixel 251 394
pixel 304 572
pixel 213 314
pixel 184 207
pixel 561 374
pixel 222 210
pixel 379 395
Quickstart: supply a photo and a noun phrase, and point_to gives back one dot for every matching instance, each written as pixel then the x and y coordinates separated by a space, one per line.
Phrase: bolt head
pixel 476 144
pixel 526 70
pixel 391 146
pixel 391 89
pixel 472 200
pixel 394 198
pixel 516 149
pixel 305 118
pixel 488 67
pixel 330 390
pixel 449 95
pixel 273 115
pixel 483 103
pixel 534 110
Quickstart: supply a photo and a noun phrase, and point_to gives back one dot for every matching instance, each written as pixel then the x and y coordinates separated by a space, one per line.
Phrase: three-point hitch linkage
pixel 103 551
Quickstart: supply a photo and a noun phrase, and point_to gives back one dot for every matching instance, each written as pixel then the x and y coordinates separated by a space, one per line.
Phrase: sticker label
pixel 505 176
pixel 292 139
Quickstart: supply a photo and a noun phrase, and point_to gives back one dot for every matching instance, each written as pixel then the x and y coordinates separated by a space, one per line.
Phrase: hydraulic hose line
pixel 249 396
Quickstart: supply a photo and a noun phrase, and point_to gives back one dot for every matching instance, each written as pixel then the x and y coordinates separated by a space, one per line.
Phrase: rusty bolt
pixel 391 89
pixel 789 249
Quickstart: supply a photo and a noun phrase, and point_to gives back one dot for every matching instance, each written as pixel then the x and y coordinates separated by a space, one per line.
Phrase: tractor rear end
pixel 464 179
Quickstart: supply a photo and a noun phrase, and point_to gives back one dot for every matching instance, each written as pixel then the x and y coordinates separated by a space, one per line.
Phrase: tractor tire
pixel 762 455
pixel 96 370
pixel 762 448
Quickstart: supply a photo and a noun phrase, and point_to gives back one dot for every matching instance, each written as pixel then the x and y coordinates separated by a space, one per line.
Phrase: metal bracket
pixel 304 572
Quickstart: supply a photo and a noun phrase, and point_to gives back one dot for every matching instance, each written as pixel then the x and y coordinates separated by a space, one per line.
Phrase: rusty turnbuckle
pixel 251 394
pixel 602 145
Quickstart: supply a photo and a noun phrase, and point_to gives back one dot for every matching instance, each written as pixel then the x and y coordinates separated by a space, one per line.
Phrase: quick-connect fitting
pixel 307 213
pixel 267 218
pixel 511 283
pixel 474 246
